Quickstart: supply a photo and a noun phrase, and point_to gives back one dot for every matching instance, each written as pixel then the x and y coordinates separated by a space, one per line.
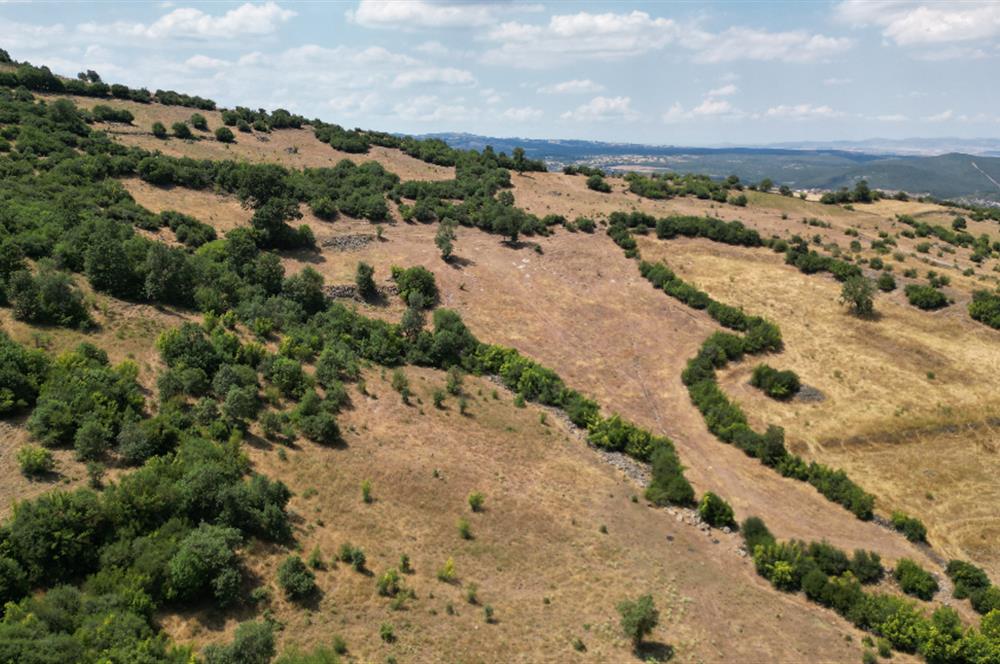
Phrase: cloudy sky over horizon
pixel 651 72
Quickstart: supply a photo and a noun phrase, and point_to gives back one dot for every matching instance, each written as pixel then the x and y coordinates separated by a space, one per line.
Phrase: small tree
pixel 224 135
pixel 198 121
pixel 181 130
pixel 159 130
pixel 858 293
pixel 638 618
pixel 715 511
pixel 364 280
pixel 295 578
pixel 476 500
pixel 445 239
pixel 35 461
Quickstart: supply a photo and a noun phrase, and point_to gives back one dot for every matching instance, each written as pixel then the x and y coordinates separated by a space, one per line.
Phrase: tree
pixel 445 238
pixel 159 130
pixel 198 121
pixel 715 511
pixel 253 643
pixel 35 461
pixel 224 135
pixel 295 578
pixel 638 618
pixel 181 130
pixel 364 280
pixel 206 563
pixel 858 293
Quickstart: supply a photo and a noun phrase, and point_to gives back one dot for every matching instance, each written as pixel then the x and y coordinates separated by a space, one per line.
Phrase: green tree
pixel 364 280
pixel 445 239
pixel 198 121
pixel 159 130
pixel 858 293
pixel 295 578
pixel 638 618
pixel 181 130
pixel 224 135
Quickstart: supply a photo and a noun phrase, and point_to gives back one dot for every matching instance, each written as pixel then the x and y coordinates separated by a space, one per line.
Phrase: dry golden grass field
pixel 909 409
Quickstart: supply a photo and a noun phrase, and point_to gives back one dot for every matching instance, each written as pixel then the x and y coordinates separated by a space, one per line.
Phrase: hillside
pixel 245 374
pixel 885 166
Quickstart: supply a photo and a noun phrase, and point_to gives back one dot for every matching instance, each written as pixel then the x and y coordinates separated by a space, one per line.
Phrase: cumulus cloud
pixel 355 103
pixel 434 75
pixel 569 38
pixel 738 43
pixel 576 86
pixel 525 114
pixel 710 107
pixel 911 23
pixel 802 112
pixel 603 108
pixel 724 91
pixel 205 62
pixel 190 23
pixel 430 108
pixel 583 36
pixel 411 14
pixel 943 116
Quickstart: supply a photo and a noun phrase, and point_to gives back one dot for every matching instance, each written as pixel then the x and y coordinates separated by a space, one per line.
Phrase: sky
pixel 677 73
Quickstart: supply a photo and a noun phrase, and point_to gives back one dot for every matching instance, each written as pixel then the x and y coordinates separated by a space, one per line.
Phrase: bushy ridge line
pixel 827 576
pixel 724 418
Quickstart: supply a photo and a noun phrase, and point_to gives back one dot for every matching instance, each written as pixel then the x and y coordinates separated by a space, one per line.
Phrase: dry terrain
pixel 908 408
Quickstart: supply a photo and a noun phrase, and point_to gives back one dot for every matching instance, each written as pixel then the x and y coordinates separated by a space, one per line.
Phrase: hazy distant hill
pixel 950 175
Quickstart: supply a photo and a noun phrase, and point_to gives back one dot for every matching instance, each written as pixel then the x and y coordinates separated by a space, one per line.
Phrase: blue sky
pixel 664 73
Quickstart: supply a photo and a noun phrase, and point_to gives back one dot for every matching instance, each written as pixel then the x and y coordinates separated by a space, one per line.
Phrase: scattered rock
pixel 348 242
pixel 810 394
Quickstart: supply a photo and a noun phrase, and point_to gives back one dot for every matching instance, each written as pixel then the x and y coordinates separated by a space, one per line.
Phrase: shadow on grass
pixel 654 651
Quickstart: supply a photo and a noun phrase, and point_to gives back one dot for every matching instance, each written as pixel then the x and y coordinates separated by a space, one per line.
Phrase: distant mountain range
pixel 945 167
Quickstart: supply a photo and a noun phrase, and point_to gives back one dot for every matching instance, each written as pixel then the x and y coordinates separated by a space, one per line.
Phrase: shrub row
pixel 819 571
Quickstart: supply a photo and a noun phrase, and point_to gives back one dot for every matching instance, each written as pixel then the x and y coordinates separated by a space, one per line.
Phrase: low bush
pixel 914 580
pixel 715 511
pixel 776 384
pixel 985 308
pixel 925 297
pixel 295 578
pixel 35 461
pixel 911 527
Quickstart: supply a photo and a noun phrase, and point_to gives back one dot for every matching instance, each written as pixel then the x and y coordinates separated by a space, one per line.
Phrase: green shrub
pixel 925 297
pixel 911 527
pixel 253 643
pixel 181 130
pixel 353 556
pixel 159 131
pixel 914 580
pixel 295 578
pixel 35 461
pixel 464 529
pixel 755 533
pixel 886 282
pixel 206 564
pixel 389 583
pixel 476 500
pixel 198 121
pixel 985 308
pixel 598 183
pixel 715 511
pixel 967 577
pixel 417 280
pixel 224 135
pixel 638 618
pixel 867 566
pixel 776 384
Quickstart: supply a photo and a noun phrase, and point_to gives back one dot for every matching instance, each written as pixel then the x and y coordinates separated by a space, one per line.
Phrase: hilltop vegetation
pixel 204 455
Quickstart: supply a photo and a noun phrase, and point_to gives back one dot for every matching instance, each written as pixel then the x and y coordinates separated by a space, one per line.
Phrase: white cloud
pixel 430 108
pixel 431 75
pixel 943 116
pixel 205 62
pixel 569 38
pixel 802 112
pixel 25 36
pixel 893 117
pixel 710 107
pixel 724 91
pixel 355 103
pixel 949 53
pixel 911 23
pixel 525 114
pixel 190 23
pixel 576 86
pixel 835 81
pixel 433 47
pixel 603 108
pixel 490 95
pixel 739 44
pixel 408 14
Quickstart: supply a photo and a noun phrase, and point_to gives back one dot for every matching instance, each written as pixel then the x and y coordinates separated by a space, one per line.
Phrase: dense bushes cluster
pixel 985 308
pixel 670 185
pixel 911 527
pixel 41 79
pixel 828 577
pixel 717 230
pixel 582 169
pixel 924 297
pixel 861 193
pixel 809 262
pixel 971 581
pixel 775 384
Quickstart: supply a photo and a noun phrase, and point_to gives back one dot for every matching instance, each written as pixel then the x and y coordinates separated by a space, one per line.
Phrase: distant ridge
pixel 950 168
